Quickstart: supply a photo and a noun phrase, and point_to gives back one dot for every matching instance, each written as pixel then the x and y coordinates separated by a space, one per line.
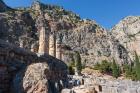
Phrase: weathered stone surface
pixel 52 45
pixel 35 79
pixel 25 72
pixel 66 91
pixel 127 31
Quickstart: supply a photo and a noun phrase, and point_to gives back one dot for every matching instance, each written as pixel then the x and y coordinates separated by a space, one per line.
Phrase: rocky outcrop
pixel 95 45
pixel 22 71
pixel 127 31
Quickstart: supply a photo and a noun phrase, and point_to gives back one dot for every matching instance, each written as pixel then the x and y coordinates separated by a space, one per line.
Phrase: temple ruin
pixel 52 44
pixel 58 49
pixel 54 47
pixel 42 42
pixel 49 43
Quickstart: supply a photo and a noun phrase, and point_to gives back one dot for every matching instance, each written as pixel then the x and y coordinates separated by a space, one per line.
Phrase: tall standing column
pixel 52 44
pixel 58 49
pixel 43 29
pixel 42 41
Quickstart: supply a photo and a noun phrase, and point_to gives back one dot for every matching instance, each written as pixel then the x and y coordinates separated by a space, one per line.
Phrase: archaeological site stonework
pixel 22 71
pixel 52 45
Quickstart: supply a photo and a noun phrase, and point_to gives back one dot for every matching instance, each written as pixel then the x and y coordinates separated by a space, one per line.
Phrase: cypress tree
pixel 115 69
pixel 78 63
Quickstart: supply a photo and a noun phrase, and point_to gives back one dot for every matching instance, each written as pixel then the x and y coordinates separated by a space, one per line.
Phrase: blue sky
pixel 105 12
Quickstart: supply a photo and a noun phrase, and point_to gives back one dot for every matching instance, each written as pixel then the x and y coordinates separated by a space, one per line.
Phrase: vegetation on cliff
pixel 108 68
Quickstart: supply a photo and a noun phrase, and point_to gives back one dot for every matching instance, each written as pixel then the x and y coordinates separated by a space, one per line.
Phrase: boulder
pixel 66 91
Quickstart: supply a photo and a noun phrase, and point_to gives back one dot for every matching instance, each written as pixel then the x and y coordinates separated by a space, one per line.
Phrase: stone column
pixel 43 29
pixel 52 44
pixel 42 41
pixel 58 49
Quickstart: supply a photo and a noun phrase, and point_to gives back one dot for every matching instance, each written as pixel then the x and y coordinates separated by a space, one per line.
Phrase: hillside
pixel 86 36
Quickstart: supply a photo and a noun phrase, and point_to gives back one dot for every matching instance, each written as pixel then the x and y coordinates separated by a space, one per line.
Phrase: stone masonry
pixel 22 71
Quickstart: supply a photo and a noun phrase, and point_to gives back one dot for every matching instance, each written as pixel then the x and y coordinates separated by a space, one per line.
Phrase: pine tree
pixel 137 66
pixel 115 69
pixel 71 66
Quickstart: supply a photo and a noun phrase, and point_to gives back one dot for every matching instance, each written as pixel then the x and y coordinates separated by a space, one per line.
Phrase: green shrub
pixel 127 70
pixel 133 71
pixel 105 67
pixel 97 66
pixel 108 67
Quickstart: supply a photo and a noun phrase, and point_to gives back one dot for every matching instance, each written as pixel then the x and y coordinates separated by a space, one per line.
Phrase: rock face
pixel 22 71
pixel 96 45
pixel 127 31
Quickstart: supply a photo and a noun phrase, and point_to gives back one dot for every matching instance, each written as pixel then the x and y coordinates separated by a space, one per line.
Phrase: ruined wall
pixel 18 65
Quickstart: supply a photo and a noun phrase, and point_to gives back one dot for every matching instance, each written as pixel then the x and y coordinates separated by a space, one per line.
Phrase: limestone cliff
pixel 127 31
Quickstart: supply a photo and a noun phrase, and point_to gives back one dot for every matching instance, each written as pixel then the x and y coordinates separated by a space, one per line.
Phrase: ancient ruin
pixel 52 48
pixel 42 41
pixel 49 42
pixel 22 71
pixel 58 49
